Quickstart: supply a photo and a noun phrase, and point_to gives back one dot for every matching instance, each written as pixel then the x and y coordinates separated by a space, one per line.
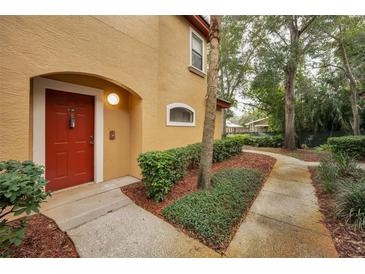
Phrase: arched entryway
pixel 78 135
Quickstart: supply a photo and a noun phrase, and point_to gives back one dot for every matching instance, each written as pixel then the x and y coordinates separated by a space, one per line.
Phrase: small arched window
pixel 179 114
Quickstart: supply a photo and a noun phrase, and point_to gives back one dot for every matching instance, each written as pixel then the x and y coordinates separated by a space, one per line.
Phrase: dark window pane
pixel 197 44
pixel 197 60
pixel 181 115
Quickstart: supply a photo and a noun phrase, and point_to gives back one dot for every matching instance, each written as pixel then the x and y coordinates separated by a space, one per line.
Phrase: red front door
pixel 69 139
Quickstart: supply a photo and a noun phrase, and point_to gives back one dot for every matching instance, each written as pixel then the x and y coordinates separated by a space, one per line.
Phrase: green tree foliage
pixel 323 100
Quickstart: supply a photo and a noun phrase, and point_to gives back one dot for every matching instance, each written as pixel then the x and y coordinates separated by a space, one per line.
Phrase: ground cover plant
pixel 341 177
pixel 348 241
pixel 211 214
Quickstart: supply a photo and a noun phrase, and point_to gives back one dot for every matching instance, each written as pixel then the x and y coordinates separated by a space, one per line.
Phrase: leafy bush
pixel 226 148
pixel 350 203
pixel 340 175
pixel 193 154
pixel 211 214
pixel 261 141
pixel 346 164
pixel 339 167
pixel 354 146
pixel 328 175
pixel 22 189
pixel 324 147
pixel 161 169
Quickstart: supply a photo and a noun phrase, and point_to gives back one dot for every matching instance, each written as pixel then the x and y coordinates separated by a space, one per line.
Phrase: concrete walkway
pixel 134 232
pixel 284 220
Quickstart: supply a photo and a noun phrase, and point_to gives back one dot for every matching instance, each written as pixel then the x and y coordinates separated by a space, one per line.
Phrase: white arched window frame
pixel 179 124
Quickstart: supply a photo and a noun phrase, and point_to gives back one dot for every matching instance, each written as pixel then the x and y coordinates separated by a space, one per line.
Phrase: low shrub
pixel 193 154
pixel 211 214
pixel 346 164
pixel 226 148
pixel 339 167
pixel 353 146
pixel 261 141
pixel 324 147
pixel 22 189
pixel 328 174
pixel 161 169
pixel 350 203
pixel 341 176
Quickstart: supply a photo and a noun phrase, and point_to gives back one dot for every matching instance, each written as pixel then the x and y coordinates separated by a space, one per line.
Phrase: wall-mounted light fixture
pixel 113 99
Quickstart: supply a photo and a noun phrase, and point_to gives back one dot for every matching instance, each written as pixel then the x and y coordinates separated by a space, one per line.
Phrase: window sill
pixel 182 124
pixel 197 71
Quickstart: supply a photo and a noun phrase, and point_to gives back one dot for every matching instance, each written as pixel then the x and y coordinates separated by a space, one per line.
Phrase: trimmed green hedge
pixel 351 145
pixel 161 169
pixel 261 141
pixel 211 214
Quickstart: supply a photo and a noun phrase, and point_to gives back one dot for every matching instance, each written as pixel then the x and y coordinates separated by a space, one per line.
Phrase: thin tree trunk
pixel 353 89
pixel 355 110
pixel 206 155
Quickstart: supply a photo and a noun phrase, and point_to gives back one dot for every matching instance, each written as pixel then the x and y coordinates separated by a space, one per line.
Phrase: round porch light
pixel 113 99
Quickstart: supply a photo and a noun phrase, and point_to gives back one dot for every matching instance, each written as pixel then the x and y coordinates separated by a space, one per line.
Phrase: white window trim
pixel 39 120
pixel 190 52
pixel 179 124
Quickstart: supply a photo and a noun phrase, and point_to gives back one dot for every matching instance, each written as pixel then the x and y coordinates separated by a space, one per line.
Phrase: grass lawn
pixel 211 215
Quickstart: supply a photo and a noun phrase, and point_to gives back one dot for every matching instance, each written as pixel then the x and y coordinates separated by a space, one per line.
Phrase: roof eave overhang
pixel 223 104
pixel 199 23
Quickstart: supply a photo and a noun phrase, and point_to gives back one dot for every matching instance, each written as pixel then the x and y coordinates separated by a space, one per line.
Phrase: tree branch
pixel 304 28
pixel 330 65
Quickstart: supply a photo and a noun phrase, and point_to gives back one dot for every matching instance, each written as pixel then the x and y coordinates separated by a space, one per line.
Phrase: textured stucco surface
pixel 148 56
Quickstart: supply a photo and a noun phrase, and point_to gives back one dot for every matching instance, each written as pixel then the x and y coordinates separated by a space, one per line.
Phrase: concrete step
pixel 63 197
pixel 76 213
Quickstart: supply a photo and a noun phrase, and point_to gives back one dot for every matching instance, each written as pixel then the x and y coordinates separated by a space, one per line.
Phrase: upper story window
pixel 179 114
pixel 196 51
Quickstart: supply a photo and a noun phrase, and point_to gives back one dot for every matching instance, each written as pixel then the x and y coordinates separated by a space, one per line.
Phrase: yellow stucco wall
pixel 147 56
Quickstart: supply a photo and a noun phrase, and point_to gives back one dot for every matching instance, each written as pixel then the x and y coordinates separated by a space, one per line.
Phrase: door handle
pixel 91 140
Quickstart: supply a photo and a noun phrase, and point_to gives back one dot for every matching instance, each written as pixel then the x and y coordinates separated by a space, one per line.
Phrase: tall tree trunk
pixel 206 155
pixel 291 71
pixel 289 141
pixel 353 88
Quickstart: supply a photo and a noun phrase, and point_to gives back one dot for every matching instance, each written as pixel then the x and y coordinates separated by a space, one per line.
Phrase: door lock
pixel 91 140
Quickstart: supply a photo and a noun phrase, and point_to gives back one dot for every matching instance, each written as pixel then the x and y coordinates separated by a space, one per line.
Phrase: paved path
pixel 284 220
pixel 134 232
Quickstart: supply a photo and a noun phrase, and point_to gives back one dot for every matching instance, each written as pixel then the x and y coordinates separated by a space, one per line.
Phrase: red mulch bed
pixel 307 155
pixel 137 191
pixel 43 239
pixel 348 242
